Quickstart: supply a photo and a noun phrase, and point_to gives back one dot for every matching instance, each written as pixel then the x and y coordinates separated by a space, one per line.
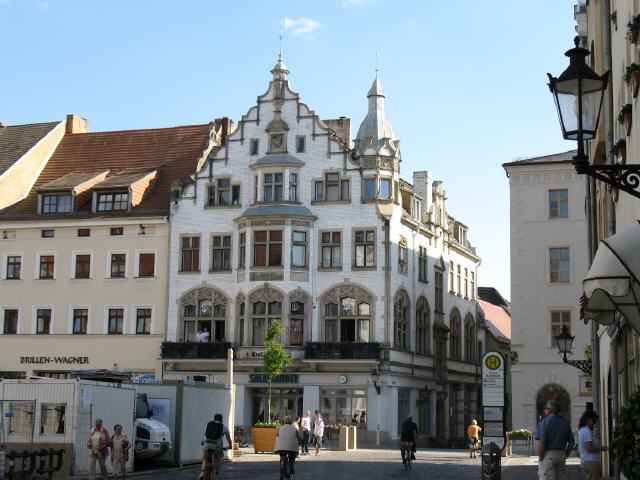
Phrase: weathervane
pixel 377 63
pixel 280 36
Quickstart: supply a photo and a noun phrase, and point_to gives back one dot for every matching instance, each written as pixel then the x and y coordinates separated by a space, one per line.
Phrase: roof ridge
pixel 84 134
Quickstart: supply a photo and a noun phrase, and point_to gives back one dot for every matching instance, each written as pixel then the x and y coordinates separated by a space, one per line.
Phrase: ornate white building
pixel 374 282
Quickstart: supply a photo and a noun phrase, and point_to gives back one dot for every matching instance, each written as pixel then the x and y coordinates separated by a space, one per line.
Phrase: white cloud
pixel 357 3
pixel 302 27
pixel 42 5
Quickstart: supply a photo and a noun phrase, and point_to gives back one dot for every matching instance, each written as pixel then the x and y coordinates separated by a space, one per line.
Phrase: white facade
pixel 340 269
pixel 546 285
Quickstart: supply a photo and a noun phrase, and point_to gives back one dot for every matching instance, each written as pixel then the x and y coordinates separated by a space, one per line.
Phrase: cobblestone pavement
pixel 367 464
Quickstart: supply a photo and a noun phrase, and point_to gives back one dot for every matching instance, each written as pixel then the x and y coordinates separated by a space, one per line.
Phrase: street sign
pixel 493 390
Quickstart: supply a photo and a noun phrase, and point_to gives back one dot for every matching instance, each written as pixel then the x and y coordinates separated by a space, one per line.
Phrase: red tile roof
pixel 174 152
pixel 498 320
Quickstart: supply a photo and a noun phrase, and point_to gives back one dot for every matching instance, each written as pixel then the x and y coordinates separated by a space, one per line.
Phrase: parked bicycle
pixel 242 436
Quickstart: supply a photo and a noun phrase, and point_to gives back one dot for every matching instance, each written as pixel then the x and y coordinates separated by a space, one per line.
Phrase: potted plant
pixel 625 117
pixel 626 440
pixel 620 150
pixel 633 29
pixel 264 437
pixel 632 78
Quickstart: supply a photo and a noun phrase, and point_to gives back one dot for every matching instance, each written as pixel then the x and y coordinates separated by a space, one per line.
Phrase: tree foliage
pixel 275 357
pixel 626 438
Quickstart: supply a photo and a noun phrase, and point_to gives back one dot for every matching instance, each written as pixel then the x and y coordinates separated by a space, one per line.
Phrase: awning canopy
pixel 613 281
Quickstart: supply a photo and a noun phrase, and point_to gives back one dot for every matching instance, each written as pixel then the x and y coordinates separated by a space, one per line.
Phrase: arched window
pixel 423 326
pixel 240 311
pixel 266 308
pixel 454 335
pixel 469 338
pixel 401 320
pixel 298 310
pixel 347 314
pixel 204 311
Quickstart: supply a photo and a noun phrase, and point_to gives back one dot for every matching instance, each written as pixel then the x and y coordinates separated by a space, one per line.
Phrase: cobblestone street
pixel 371 463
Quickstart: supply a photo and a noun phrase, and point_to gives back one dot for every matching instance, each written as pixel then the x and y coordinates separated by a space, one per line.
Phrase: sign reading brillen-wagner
pixel 493 386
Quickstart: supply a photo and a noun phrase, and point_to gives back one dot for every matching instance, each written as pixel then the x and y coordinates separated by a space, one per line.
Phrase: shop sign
pixel 262 378
pixel 586 386
pixel 55 360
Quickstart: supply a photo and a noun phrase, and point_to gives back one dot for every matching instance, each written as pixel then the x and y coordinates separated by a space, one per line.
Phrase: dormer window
pixel 112 201
pixel 332 188
pixel 272 187
pixel 222 192
pixel 60 203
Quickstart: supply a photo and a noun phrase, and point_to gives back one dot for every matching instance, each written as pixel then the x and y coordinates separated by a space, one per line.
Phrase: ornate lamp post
pixel 578 94
pixel 565 342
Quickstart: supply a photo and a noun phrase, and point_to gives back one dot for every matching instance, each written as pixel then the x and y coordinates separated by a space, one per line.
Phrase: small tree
pixel 275 359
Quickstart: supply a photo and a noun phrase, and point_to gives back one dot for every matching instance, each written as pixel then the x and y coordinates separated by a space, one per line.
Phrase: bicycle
pixel 406 449
pixel 285 465
pixel 209 474
pixel 241 436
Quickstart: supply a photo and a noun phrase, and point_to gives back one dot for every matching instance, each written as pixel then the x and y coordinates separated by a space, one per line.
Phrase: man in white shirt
pixel 318 431
pixel 306 430
pixel 199 335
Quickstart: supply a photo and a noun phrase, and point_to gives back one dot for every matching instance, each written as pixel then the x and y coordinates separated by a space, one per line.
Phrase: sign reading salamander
pixel 55 360
pixel 262 378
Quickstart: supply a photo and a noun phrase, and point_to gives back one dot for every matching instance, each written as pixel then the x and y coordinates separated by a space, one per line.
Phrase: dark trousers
pixel 305 441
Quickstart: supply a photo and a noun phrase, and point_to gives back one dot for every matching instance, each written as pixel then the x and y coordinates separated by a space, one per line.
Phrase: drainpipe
pixel 611 213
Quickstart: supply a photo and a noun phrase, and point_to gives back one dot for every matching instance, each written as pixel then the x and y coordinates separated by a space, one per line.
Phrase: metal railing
pixel 194 350
pixel 29 463
pixel 342 351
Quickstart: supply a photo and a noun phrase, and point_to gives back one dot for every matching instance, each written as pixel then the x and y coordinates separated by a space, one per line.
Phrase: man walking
pixel 318 431
pixel 555 441
pixel 306 429
pixel 98 442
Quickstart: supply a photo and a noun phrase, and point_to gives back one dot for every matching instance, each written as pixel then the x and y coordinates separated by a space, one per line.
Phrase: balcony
pixel 194 350
pixel 342 351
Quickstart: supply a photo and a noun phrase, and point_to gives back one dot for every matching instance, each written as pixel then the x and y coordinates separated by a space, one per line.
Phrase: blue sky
pixel 465 80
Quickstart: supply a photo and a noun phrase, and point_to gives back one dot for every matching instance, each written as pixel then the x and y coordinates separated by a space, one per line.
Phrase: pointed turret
pixel 375 135
pixel 280 71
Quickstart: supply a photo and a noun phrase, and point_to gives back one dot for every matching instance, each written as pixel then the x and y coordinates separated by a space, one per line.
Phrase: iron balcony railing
pixel 342 351
pixel 194 350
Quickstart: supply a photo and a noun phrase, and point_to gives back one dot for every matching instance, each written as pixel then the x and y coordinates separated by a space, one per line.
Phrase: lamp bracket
pixel 624 177
pixel 583 365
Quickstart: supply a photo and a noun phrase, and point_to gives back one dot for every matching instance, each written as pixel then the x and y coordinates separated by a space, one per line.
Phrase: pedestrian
pixel 555 441
pixel 199 335
pixel 318 431
pixel 408 433
pixel 287 440
pixel 474 438
pixel 305 424
pixel 119 452
pixel 98 443
pixel 589 447
pixel 204 336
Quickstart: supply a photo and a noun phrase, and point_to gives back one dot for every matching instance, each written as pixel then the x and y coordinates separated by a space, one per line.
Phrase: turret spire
pixel 280 70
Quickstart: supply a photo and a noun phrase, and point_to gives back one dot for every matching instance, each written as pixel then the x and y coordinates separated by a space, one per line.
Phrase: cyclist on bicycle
pixel 287 441
pixel 408 433
pixel 212 444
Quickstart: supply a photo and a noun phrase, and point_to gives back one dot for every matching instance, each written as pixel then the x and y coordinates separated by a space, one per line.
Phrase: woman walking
pixel 318 431
pixel 589 447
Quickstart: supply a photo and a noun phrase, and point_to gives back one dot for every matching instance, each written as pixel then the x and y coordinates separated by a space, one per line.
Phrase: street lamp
pixel 578 93
pixel 565 341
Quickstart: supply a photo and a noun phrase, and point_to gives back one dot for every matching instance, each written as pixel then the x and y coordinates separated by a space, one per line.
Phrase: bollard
pixel 491 462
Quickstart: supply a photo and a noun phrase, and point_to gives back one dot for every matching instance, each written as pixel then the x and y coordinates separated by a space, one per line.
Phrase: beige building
pixel 84 273
pixel 24 151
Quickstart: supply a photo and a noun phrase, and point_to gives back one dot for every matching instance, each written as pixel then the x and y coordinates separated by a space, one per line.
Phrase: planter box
pixel 264 439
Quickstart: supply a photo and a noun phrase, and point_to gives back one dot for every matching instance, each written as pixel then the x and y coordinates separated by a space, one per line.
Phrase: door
pixel 403 406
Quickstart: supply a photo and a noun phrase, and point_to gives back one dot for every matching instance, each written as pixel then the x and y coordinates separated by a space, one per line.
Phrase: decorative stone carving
pixel 265 294
pixel 204 293
pixel 298 295
pixel 277 125
pixel 300 223
pixel 266 223
pixel 267 276
pixel 242 225
pixel 341 291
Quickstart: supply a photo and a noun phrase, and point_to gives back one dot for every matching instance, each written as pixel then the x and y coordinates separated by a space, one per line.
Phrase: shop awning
pixel 613 281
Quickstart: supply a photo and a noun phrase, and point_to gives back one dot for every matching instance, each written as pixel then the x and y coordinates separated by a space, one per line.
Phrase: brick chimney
pixel 76 124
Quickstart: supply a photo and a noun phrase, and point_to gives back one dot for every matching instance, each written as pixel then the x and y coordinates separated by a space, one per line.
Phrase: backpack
pixel 213 431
